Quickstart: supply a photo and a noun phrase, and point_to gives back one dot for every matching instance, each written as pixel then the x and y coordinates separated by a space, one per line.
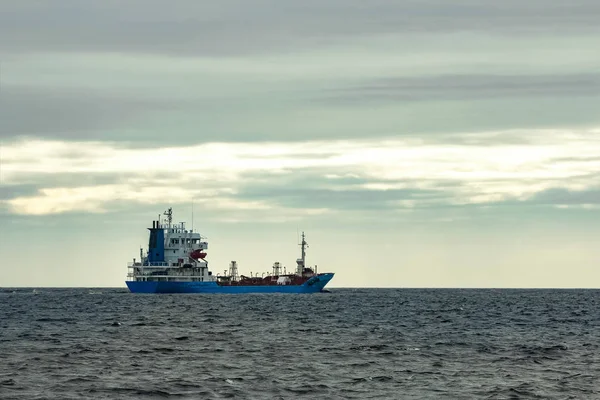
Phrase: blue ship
pixel 175 262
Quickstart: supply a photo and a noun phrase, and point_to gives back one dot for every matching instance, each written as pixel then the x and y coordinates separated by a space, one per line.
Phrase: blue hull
pixel 313 285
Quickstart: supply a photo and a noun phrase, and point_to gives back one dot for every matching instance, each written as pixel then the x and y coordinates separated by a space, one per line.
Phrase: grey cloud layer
pixel 242 27
pixel 30 110
pixel 470 87
pixel 566 197
pixel 154 72
pixel 403 106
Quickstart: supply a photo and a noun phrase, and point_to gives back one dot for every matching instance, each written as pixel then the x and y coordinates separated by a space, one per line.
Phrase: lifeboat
pixel 198 255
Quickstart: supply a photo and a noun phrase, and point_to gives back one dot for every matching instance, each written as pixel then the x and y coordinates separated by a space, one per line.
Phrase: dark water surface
pixel 360 344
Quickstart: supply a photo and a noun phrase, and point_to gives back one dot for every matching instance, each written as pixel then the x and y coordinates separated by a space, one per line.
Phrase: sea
pixel 346 344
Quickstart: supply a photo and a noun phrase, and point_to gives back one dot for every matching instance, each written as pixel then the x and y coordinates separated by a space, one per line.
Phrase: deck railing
pixel 148 264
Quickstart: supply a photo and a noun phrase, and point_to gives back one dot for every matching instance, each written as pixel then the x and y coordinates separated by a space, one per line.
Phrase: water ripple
pixel 349 344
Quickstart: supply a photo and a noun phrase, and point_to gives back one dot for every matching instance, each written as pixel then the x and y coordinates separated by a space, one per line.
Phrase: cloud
pixel 148 72
pixel 318 177
pixel 468 87
pixel 266 26
pixel 564 197
pixel 19 190
pixel 395 105
pixel 80 112
pixel 31 110
pixel 377 86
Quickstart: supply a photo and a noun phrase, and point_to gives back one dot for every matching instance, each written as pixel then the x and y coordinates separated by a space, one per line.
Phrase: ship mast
pixel 302 260
pixel 303 251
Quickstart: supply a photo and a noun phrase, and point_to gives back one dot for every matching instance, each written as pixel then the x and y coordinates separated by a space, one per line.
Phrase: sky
pixel 417 143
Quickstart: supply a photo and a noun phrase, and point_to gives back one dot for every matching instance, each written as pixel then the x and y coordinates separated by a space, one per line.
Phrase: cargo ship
pixel 176 262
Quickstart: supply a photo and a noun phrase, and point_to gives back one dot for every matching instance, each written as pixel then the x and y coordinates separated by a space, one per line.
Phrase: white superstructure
pixel 174 254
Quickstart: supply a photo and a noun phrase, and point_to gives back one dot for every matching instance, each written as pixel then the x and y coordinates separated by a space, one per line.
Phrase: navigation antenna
pixel 169 214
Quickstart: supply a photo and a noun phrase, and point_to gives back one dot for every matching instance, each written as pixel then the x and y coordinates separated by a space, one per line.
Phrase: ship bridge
pixel 181 243
pixel 174 253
